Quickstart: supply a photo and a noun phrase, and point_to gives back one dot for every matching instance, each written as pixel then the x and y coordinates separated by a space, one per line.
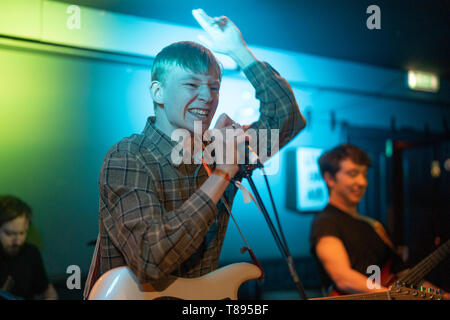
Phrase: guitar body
pixel 121 284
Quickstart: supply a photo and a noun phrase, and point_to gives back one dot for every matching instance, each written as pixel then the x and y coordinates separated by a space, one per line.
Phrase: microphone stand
pixel 246 171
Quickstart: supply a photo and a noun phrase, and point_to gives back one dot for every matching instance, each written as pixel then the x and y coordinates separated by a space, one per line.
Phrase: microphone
pixel 251 157
pixel 251 163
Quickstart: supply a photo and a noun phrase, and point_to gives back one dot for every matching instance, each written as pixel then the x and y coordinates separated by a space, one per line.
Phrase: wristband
pixel 222 173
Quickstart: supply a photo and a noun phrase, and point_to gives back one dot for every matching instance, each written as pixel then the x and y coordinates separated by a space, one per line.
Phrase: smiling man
pixel 162 218
pixel 344 242
pixel 185 87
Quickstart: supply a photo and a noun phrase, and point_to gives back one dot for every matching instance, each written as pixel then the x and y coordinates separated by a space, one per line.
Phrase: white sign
pixel 312 194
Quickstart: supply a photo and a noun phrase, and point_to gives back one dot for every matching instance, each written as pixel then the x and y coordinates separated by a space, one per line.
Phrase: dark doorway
pixel 426 194
pixel 409 189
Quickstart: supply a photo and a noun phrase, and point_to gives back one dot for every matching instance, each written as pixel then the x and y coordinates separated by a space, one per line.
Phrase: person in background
pixel 22 272
pixel 344 242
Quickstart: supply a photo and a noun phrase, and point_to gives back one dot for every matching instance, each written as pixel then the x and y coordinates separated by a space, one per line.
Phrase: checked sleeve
pixel 153 241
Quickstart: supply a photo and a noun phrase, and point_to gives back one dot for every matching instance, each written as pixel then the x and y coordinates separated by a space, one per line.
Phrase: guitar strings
pixel 424 267
pixel 418 272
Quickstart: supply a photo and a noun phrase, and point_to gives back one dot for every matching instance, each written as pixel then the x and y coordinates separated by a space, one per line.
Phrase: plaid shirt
pixel 153 217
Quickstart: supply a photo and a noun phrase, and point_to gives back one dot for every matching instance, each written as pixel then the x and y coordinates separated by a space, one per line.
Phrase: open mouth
pixel 199 113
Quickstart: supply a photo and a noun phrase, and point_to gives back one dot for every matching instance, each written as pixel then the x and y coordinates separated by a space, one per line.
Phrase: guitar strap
pixel 247 248
pixel 379 229
pixel 92 276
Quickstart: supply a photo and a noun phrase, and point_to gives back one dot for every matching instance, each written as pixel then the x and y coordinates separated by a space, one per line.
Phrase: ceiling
pixel 413 34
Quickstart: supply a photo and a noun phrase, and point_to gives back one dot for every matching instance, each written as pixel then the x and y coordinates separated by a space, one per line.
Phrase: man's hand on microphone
pixel 229 140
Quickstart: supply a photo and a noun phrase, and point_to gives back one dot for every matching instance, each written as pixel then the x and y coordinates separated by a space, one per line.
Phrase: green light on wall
pixel 423 81
pixel 389 149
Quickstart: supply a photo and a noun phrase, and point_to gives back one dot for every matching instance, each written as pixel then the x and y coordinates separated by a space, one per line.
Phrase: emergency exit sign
pixel 423 81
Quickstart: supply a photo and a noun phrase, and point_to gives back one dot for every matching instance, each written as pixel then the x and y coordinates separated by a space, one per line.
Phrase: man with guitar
pixel 163 218
pixel 344 242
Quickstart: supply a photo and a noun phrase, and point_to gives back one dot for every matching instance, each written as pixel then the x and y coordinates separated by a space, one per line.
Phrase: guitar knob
pixel 422 288
pixel 438 291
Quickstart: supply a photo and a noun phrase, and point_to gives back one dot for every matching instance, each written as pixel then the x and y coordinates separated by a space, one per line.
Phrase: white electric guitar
pixel 121 284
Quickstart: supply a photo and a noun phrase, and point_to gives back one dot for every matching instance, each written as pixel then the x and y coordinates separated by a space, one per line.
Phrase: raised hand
pixel 224 37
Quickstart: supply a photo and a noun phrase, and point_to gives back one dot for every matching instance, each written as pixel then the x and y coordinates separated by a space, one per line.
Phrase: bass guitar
pixel 221 284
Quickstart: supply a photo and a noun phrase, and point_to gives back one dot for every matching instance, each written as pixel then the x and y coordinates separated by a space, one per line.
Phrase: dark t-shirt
pixel 27 271
pixel 363 245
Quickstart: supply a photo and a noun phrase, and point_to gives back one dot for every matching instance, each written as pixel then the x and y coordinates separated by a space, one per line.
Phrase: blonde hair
pixel 187 55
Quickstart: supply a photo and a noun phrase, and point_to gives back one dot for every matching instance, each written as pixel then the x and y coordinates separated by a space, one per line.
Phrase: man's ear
pixel 329 180
pixel 156 91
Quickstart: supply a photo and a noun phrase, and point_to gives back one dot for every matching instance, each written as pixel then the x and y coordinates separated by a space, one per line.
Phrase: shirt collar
pixel 164 143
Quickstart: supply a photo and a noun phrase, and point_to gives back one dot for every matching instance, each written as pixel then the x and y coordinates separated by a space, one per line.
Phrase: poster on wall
pixel 312 194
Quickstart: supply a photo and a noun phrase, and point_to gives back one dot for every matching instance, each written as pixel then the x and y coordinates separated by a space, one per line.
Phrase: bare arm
pixel 336 262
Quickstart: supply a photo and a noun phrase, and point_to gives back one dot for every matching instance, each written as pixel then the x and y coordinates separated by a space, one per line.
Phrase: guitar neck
pixel 358 296
pixel 416 274
pixel 395 293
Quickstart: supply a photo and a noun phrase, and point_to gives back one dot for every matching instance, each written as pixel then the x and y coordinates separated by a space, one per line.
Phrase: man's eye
pixel 192 85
